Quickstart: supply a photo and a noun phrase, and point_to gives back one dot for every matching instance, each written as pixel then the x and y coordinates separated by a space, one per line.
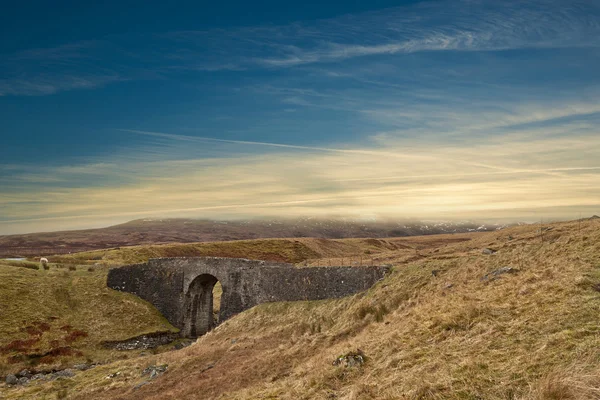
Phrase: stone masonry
pixel 181 288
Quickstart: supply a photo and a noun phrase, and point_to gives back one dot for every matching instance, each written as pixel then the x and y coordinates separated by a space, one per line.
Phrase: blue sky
pixel 439 109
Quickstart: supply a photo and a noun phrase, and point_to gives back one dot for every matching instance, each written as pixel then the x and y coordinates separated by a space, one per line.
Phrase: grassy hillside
pixel 446 324
pixel 56 318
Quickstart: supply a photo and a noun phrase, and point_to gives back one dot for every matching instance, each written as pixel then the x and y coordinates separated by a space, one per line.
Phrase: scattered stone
pixel 510 237
pixel 23 381
pixel 352 359
pixel 495 274
pixel 448 285
pixel 25 374
pixel 82 367
pixel 435 272
pixel 38 377
pixel 11 379
pixel 65 373
pixel 143 342
pixel 155 370
pixel 488 251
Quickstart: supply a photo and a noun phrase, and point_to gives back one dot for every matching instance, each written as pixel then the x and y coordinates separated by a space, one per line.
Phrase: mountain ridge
pixel 182 230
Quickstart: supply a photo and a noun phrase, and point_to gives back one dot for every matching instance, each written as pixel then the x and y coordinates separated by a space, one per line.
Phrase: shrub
pixel 46 267
pixel 72 268
pixel 90 269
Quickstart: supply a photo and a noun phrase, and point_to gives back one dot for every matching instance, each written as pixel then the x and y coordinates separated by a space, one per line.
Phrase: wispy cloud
pixel 451 25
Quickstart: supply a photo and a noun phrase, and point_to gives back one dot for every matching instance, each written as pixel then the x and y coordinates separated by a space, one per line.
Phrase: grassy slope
pixel 529 335
pixel 40 311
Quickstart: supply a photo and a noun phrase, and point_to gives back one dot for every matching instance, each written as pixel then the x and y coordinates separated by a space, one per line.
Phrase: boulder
pixel 11 379
pixel 155 370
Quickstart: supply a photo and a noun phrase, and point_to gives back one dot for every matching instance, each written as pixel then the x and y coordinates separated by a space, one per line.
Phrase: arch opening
pixel 202 305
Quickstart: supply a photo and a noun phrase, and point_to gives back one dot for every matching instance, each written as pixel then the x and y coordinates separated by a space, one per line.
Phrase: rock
pixel 82 367
pixel 448 285
pixel 488 251
pixel 11 379
pixel 65 373
pixel 25 374
pixel 352 359
pixel 38 377
pixel 494 274
pixel 113 375
pixel 23 381
pixel 155 370
pixel 435 272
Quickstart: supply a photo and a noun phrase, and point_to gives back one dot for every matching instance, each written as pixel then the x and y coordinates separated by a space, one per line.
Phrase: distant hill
pixel 154 231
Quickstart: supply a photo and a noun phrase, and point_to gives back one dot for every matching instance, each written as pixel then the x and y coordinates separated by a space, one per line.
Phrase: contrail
pixel 270 144
pixel 323 149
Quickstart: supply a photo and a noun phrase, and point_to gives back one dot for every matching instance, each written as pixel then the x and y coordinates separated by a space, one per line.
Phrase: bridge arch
pixel 199 305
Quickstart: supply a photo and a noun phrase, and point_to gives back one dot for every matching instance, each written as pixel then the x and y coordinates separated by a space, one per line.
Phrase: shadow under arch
pixel 199 318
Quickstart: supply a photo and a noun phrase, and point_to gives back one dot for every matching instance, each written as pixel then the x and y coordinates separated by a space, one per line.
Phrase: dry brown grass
pixel 533 334
pixel 57 318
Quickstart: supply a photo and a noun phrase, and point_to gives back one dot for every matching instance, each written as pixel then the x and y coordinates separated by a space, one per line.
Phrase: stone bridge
pixel 181 288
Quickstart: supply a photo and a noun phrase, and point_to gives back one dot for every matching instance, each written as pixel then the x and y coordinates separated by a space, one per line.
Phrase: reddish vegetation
pixel 32 331
pixel 15 359
pixel 74 335
pixel 37 329
pixel 43 326
pixel 26 353
pixel 50 356
pixel 19 345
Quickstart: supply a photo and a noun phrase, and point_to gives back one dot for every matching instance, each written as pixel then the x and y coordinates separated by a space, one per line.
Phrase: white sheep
pixel 44 262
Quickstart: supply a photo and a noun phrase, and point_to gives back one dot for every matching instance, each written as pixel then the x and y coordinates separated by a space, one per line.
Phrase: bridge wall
pixel 165 282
